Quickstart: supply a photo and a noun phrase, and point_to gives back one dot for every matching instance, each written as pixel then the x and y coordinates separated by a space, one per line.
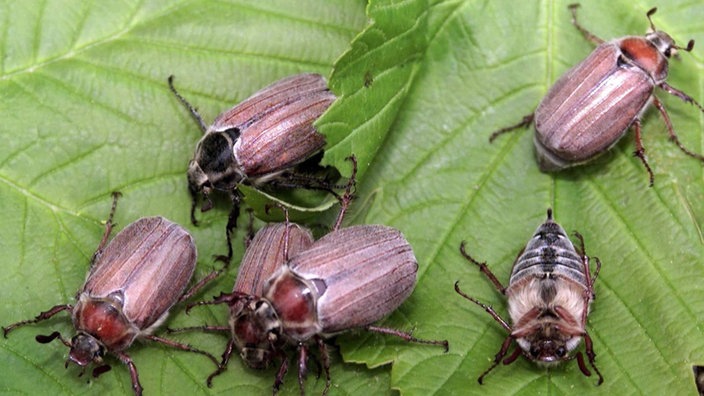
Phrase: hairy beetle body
pixel 549 295
pixel 593 104
pixel 131 285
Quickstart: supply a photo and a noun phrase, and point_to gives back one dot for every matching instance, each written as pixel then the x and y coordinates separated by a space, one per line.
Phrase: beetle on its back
pixel 549 294
pixel 594 104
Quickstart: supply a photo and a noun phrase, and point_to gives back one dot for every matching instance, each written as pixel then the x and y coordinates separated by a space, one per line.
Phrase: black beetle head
pixel 85 349
pixel 255 331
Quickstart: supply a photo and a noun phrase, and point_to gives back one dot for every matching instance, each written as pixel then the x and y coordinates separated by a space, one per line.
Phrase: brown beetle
pixel 549 295
pixel 133 282
pixel 594 104
pixel 255 142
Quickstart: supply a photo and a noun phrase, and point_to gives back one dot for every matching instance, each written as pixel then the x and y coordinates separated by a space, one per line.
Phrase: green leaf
pixel 439 180
pixel 86 110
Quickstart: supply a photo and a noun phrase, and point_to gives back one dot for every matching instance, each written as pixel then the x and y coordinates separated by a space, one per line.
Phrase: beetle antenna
pixel 688 48
pixel 187 105
pixel 649 14
pixel 525 123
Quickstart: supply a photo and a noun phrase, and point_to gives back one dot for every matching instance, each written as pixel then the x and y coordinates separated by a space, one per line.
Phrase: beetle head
pixel 548 343
pixel 86 349
pixel 662 41
pixel 256 332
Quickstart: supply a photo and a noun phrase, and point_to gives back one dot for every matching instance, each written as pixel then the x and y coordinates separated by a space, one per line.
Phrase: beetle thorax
pixel 255 331
pixel 101 326
pixel 214 165
pixel 295 302
pixel 648 53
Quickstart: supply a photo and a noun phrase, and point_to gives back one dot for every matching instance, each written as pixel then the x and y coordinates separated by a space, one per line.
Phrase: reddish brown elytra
pixel 549 295
pixel 592 106
pixel 133 282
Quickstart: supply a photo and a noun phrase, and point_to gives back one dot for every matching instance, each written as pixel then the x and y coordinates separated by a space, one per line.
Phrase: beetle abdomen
pixel 549 253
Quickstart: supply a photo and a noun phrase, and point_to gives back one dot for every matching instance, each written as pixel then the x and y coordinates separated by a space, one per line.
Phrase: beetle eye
pixel 534 352
pixel 560 352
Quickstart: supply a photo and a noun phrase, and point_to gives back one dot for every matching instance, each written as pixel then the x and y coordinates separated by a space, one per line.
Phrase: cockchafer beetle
pixel 132 283
pixel 593 105
pixel 348 279
pixel 549 295
pixel 257 141
pixel 265 254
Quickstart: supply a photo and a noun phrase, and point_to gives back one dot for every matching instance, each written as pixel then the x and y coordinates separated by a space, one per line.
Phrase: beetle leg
pixel 42 316
pixel 231 225
pixel 193 290
pixel 407 336
pixel 525 122
pixel 640 150
pixel 512 358
pixel 194 204
pixel 181 346
pixel 136 386
pixel 497 359
pixel 670 129
pixel 590 279
pixel 325 357
pixel 283 369
pixel 598 269
pixel 487 308
pixel 223 298
pixel 302 366
pixel 483 268
pixel 586 33
pixel 676 92
pixel 591 356
pixel 100 370
pixel 223 364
